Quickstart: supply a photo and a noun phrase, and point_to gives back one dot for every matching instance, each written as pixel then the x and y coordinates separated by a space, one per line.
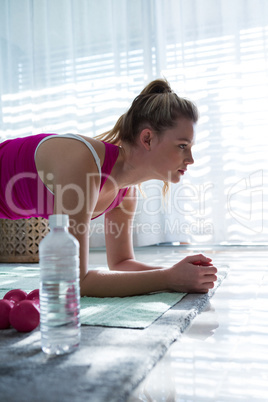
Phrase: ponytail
pixel 157 106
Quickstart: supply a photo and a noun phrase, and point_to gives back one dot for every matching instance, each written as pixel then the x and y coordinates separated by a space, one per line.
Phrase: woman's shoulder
pixel 64 153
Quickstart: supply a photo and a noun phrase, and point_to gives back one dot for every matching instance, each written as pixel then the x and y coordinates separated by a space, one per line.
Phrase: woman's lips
pixel 182 171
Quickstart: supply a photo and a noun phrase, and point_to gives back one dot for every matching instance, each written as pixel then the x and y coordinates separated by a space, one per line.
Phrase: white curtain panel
pixel 75 66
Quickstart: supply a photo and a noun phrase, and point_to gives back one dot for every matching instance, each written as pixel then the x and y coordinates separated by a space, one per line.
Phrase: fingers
pixel 209 285
pixel 202 261
pixel 209 270
pixel 204 264
pixel 206 269
pixel 209 278
pixel 205 287
pixel 199 259
pixel 193 274
pixel 206 280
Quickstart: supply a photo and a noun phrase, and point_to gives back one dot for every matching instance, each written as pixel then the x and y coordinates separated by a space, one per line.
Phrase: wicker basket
pixel 19 239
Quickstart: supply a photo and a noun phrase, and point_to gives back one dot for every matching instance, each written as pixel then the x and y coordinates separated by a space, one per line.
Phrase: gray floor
pixel 223 356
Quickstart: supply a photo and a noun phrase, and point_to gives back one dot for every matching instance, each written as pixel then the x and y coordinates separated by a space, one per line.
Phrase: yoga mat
pixel 126 312
pixel 109 363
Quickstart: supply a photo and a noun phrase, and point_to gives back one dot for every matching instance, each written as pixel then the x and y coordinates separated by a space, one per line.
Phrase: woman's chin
pixel 175 179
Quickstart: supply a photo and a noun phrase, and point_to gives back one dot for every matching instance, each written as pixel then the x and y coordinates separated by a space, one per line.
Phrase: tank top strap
pixel 75 137
pixel 90 147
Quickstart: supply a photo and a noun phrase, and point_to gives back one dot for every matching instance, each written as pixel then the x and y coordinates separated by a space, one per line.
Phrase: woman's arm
pixel 76 190
pixel 130 277
pixel 183 277
pixel 118 236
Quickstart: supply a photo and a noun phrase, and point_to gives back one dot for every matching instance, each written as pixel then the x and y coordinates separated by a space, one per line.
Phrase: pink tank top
pixel 22 192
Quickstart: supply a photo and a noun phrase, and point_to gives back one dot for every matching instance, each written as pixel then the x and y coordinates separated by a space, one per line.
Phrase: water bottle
pixel 59 288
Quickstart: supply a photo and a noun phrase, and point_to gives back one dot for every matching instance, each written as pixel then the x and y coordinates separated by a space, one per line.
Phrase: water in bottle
pixel 59 288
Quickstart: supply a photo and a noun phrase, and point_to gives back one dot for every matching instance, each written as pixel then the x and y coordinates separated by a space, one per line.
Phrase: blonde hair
pixel 158 107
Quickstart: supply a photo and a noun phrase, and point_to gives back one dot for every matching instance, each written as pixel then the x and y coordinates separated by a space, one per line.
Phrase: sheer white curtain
pixel 75 66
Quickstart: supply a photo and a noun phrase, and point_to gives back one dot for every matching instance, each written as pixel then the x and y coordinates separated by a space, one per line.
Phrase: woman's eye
pixel 182 146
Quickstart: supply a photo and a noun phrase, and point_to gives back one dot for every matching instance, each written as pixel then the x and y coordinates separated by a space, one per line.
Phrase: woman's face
pixel 173 151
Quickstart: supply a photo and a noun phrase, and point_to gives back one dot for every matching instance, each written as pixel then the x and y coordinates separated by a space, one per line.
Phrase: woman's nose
pixel 189 160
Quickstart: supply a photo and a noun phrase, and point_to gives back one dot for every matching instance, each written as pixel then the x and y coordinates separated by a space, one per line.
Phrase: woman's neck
pixel 131 167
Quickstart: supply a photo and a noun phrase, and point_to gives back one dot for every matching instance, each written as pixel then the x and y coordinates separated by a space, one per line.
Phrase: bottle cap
pixel 58 220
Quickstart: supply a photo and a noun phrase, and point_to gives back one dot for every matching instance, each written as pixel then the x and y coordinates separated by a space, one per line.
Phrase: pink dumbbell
pixel 6 305
pixel 33 295
pixel 15 295
pixel 20 310
pixel 25 316
pixel 5 308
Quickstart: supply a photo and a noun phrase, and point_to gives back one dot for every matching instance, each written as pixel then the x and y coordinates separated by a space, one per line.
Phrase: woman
pixel 86 177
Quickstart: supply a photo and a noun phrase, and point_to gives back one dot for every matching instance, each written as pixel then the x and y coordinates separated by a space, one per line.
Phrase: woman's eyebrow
pixel 184 139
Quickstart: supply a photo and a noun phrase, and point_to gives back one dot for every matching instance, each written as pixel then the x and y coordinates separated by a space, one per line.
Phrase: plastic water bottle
pixel 59 289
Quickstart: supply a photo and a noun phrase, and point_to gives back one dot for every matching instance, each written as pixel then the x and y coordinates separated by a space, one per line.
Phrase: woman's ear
pixel 146 136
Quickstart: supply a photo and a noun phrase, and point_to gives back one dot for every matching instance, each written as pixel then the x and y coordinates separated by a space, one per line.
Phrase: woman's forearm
pixel 120 284
pixel 133 265
pixel 193 274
